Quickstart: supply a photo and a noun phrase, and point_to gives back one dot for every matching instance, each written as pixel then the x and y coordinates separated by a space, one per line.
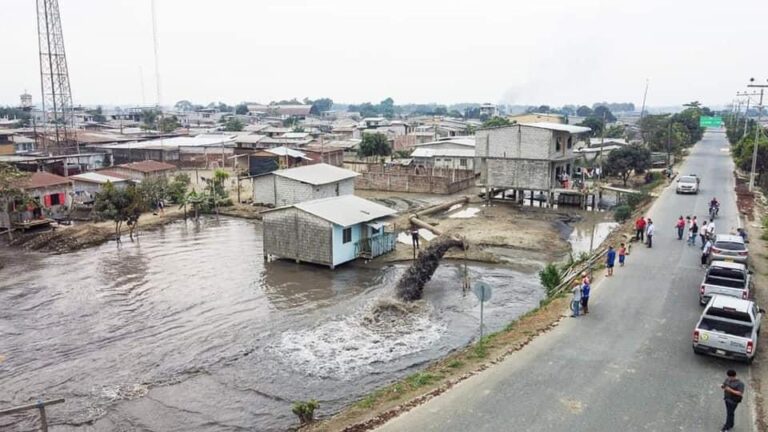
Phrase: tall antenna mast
pixel 54 79
pixel 645 95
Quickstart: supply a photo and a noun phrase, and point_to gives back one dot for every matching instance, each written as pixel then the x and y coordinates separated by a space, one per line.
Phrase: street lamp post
pixel 757 133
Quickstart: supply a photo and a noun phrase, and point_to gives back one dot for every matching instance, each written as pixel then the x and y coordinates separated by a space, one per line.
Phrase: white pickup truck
pixel 725 278
pixel 728 328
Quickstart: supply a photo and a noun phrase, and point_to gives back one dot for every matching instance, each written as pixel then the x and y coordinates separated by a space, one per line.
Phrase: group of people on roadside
pixel 580 295
pixel 644 230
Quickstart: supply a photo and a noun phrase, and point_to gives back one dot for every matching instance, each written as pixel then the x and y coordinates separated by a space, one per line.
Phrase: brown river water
pixel 190 330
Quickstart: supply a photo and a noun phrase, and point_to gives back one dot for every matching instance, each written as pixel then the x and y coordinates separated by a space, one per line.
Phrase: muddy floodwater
pixel 190 330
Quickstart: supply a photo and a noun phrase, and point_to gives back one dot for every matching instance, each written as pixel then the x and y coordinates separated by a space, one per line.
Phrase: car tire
pixel 750 360
pixel 697 352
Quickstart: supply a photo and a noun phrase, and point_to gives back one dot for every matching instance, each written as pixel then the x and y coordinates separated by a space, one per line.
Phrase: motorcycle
pixel 713 210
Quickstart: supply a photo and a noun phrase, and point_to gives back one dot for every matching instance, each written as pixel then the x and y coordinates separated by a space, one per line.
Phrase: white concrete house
pixel 305 183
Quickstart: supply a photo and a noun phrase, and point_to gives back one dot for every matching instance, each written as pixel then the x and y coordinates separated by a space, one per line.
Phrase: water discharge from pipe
pixel 410 287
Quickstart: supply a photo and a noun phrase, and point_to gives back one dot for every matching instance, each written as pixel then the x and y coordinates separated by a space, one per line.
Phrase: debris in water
pixel 411 286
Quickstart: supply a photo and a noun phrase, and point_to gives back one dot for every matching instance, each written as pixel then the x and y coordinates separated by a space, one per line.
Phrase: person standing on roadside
pixel 585 288
pixel 733 393
pixel 705 251
pixel 711 230
pixel 693 231
pixel 703 233
pixel 575 299
pixel 639 228
pixel 622 254
pixel 680 225
pixel 649 231
pixel 610 259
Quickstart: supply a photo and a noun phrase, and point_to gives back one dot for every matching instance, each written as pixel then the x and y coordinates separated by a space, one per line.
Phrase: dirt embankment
pixel 754 208
pixel 502 233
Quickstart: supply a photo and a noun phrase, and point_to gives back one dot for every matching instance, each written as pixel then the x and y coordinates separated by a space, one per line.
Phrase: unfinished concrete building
pixel 527 157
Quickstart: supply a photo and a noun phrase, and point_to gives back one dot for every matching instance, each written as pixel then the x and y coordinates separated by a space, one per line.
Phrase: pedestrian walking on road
pixel 622 254
pixel 693 231
pixel 733 393
pixel 680 225
pixel 575 299
pixel 415 237
pixel 639 228
pixel 703 233
pixel 649 231
pixel 585 288
pixel 610 259
pixel 705 252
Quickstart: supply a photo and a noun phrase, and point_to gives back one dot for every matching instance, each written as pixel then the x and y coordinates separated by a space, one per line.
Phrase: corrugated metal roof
pixel 200 140
pixel 462 141
pixel 317 174
pixel 147 166
pixel 285 151
pixel 428 153
pixel 92 177
pixel 345 210
pixel 558 127
pixel 42 179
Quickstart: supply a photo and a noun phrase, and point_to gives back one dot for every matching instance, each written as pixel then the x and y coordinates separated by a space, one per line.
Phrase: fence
pixel 396 178
pixel 40 405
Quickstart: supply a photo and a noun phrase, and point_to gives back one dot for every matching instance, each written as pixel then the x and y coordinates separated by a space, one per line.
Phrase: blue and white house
pixel 328 231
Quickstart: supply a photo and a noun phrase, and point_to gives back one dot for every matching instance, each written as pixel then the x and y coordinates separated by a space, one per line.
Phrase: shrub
pixel 550 277
pixel 305 410
pixel 636 200
pixel 622 213
pixel 421 379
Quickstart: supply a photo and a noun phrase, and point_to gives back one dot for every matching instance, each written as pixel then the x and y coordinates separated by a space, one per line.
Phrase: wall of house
pixel 290 191
pixel 443 181
pixel 344 252
pixel 519 174
pixel 293 234
pixel 264 189
pixel 447 162
pixel 514 142
pixel 445 146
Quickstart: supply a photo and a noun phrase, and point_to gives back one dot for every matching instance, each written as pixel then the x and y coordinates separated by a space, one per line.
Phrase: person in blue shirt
pixel 585 297
pixel 610 259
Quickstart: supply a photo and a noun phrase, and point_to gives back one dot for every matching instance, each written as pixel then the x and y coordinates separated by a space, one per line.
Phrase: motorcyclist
pixel 714 204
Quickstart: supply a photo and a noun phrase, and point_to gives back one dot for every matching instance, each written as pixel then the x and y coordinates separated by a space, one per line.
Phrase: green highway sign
pixel 713 122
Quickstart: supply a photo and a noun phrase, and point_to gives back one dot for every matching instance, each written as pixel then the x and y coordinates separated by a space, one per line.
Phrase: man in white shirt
pixel 711 230
pixel 649 231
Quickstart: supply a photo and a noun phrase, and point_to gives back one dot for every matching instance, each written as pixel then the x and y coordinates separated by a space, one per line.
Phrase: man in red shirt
pixel 640 229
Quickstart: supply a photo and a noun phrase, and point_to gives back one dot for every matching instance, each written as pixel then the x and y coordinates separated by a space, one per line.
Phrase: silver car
pixel 727 247
pixel 687 184
pixel 728 328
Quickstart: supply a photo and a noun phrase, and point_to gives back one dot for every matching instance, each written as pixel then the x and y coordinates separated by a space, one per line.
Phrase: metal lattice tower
pixel 54 79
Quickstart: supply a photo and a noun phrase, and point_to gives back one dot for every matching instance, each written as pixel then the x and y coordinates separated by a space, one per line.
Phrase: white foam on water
pixel 347 347
pixel 467 213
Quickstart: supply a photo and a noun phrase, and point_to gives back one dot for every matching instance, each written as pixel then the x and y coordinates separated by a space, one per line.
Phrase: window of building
pixel 346 235
pixel 558 146
pixel 570 142
pixel 55 199
pixel 463 162
pixel 375 231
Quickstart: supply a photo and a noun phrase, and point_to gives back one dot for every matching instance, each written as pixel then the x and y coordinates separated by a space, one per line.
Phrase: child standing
pixel 622 254
pixel 610 258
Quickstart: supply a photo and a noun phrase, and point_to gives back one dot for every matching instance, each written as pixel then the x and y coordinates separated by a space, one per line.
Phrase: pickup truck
pixel 725 278
pixel 728 328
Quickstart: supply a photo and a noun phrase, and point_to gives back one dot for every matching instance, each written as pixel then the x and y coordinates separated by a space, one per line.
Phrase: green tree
pixel 550 277
pixel 583 111
pixel 496 122
pixel 615 131
pixel 98 114
pixel 623 161
pixel 241 109
pixel 120 206
pixel 376 144
pixel 153 189
pixel 594 123
pixel 602 112
pixel 387 108
pixel 149 118
pixel 233 124
pixel 177 188
pixel 184 105
pixel 320 105
pixel 169 124
pixel 219 178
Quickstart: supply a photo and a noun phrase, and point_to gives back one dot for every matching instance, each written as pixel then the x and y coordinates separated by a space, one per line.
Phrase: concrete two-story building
pixel 526 157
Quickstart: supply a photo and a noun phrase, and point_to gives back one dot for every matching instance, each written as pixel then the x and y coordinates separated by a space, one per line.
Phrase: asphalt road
pixel 628 365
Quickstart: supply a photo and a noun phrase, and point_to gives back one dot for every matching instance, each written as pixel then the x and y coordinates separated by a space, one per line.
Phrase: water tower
pixel 26 101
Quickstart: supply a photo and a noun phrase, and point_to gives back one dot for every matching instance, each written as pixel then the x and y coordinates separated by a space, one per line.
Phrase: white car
pixel 687 184
pixel 728 328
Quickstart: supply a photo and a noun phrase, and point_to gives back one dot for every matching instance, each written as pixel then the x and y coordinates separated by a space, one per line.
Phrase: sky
pixel 550 52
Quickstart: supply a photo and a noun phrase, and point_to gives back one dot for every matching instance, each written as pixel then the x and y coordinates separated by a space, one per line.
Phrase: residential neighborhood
pixel 351 216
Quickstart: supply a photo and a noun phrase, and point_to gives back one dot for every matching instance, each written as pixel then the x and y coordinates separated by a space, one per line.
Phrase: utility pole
pixel 669 143
pixel 746 111
pixel 752 174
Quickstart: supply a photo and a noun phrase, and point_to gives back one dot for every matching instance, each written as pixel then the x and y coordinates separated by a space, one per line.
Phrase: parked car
pixel 728 328
pixel 728 247
pixel 725 278
pixel 687 184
